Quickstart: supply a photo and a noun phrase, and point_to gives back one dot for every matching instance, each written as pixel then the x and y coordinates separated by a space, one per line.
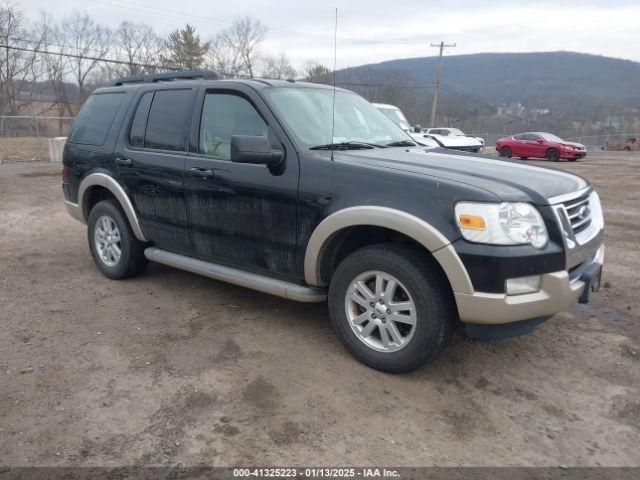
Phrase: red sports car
pixel 540 145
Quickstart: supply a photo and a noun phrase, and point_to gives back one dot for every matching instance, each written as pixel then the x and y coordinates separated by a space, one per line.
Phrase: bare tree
pixel 138 44
pixel 223 58
pixel 55 66
pixel 236 50
pixel 18 68
pixel 86 39
pixel 317 73
pixel 278 68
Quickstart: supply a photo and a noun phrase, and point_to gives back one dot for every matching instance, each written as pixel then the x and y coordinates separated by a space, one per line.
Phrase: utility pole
pixel 436 88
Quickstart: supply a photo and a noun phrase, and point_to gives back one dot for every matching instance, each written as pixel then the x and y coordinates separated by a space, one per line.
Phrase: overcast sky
pixel 378 30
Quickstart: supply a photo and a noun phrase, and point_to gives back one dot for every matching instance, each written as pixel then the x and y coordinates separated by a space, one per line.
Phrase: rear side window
pixel 139 123
pixel 166 122
pixel 518 137
pixel 95 118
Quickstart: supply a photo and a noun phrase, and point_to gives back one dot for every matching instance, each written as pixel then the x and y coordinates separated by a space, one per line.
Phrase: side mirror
pixel 254 149
pixel 417 128
pixel 540 140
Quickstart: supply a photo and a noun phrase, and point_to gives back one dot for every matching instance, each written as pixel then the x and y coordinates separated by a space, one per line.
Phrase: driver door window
pixel 225 115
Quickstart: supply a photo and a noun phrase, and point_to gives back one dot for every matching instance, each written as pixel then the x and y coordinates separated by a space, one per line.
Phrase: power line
pixel 51 44
pixel 173 13
pixel 84 57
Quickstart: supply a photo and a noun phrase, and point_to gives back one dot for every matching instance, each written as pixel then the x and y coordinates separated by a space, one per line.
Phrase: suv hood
pixel 456 140
pixel 509 180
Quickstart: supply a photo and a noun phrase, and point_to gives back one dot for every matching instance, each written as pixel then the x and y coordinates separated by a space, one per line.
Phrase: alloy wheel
pixel 380 311
pixel 106 237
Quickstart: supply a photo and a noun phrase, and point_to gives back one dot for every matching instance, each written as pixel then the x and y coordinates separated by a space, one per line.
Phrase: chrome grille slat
pixel 572 205
pixel 579 224
pixel 572 209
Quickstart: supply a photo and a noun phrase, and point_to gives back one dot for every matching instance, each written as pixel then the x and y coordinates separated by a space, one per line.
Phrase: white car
pixel 455 139
pixel 397 117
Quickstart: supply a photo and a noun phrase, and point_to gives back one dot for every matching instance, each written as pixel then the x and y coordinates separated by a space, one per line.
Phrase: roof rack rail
pixel 166 77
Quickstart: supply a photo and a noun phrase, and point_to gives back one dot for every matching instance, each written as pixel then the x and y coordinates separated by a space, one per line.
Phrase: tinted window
pixel 225 115
pixel 95 118
pixel 165 125
pixel 530 137
pixel 518 137
pixel 139 123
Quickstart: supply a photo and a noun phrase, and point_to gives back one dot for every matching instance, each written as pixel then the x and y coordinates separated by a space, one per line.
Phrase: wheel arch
pixel 104 181
pixel 398 221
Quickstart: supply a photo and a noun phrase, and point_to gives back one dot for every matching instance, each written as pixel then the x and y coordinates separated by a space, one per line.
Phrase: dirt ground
pixel 18 149
pixel 171 368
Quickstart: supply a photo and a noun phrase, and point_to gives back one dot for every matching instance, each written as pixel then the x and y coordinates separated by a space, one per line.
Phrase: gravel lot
pixel 171 368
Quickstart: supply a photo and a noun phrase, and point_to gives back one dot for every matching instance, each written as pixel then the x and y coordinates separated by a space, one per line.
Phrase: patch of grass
pixel 16 149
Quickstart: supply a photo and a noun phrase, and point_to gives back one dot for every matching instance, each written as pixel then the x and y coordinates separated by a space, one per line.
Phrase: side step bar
pixel 254 281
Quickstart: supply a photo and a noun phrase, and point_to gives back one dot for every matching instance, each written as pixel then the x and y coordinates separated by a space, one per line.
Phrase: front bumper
pixel 573 154
pixel 558 290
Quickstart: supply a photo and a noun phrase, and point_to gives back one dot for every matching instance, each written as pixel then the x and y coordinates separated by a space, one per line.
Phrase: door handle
pixel 124 162
pixel 202 172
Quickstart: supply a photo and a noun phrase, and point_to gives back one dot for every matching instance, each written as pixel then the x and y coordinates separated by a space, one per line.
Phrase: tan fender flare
pixel 402 222
pixel 104 180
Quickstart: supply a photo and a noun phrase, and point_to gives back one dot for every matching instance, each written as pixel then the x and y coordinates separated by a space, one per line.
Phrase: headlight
pixel 501 223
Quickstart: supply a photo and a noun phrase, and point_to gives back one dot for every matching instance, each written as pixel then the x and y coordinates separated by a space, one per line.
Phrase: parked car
pixel 627 146
pixel 455 139
pixel 540 145
pixel 284 188
pixel 396 116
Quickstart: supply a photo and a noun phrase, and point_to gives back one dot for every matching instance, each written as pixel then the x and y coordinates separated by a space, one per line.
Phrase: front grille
pixel 579 213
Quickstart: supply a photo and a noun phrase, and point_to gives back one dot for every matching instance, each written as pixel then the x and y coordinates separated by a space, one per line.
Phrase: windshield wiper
pixel 351 145
pixel 402 143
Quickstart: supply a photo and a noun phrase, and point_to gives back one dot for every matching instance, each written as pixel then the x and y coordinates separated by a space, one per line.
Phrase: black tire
pixel 524 158
pixel 627 148
pixel 428 287
pixel 505 152
pixel 553 155
pixel 131 261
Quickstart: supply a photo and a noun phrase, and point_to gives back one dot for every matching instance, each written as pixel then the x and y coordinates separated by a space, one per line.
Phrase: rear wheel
pixel 505 152
pixel 523 158
pixel 115 249
pixel 553 155
pixel 391 306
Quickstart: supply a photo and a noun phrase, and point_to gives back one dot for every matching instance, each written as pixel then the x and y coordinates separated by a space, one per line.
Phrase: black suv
pixel 305 192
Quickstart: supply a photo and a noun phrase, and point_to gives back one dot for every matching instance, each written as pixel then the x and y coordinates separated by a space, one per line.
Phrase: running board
pixel 241 278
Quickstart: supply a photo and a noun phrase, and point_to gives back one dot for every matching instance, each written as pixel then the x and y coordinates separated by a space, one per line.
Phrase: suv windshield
pixel 396 116
pixel 308 112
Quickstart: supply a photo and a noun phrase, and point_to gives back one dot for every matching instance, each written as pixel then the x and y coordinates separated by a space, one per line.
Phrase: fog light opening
pixel 522 285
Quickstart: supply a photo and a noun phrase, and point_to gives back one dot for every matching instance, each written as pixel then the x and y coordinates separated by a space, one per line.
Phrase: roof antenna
pixel 335 66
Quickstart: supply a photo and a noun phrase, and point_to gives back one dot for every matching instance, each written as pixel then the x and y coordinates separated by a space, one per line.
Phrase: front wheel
pixel 392 307
pixel 505 152
pixel 553 155
pixel 116 251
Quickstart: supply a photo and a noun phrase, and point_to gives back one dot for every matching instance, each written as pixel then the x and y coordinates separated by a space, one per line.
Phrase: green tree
pixel 184 49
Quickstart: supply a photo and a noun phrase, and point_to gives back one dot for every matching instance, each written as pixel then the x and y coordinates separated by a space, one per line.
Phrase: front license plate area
pixel 591 279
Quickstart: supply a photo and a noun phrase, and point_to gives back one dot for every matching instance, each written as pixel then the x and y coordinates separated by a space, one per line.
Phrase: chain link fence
pixel 597 142
pixel 26 138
